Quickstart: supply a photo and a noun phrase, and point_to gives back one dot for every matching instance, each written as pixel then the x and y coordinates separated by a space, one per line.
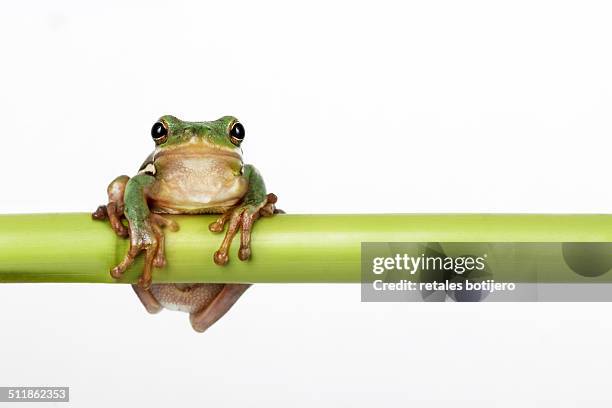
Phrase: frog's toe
pixel 215 226
pixel 271 198
pixel 159 261
pixel 244 253
pixel 113 213
pixel 269 208
pixel 219 223
pixel 241 218
pixel 221 257
pixel 164 222
pixel 117 272
pixel 235 220
pixel 144 282
pixel 100 214
pixel 150 240
pixel 158 222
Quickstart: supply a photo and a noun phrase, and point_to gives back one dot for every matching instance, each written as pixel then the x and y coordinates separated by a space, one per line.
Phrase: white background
pixel 349 108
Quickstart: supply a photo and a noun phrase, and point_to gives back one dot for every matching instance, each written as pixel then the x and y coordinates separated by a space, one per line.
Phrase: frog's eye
pixel 236 133
pixel 159 132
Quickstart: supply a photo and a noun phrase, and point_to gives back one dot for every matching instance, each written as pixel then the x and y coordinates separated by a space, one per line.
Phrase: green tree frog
pixel 196 168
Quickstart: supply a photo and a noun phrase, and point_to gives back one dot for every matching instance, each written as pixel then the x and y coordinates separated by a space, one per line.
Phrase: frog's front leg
pixel 255 203
pixel 145 230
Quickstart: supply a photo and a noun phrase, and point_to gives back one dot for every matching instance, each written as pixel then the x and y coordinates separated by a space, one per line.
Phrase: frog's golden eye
pixel 159 132
pixel 236 133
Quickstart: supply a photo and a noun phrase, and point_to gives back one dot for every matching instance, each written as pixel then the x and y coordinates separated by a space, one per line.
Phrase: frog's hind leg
pixel 147 299
pixel 205 302
pixel 205 317
pixel 113 211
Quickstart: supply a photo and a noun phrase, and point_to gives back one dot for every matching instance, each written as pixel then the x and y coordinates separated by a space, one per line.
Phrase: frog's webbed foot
pixel 113 211
pixel 241 217
pixel 147 237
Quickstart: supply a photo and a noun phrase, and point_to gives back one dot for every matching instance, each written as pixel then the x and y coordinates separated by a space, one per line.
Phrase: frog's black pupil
pixel 237 131
pixel 158 130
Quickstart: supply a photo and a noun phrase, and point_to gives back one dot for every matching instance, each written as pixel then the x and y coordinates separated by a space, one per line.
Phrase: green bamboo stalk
pixel 286 248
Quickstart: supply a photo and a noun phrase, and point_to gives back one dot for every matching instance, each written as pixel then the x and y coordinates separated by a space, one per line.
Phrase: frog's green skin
pixel 196 168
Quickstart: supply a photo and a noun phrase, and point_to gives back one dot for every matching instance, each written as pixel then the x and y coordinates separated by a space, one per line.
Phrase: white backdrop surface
pixel 353 107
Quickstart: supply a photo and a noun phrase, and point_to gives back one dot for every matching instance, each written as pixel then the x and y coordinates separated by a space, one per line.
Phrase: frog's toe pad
pixel 215 226
pixel 159 262
pixel 221 258
pixel 244 253
pixel 116 272
pixel 101 213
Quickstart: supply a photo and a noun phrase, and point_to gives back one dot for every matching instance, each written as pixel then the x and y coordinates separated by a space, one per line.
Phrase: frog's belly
pixel 196 186
pixel 185 297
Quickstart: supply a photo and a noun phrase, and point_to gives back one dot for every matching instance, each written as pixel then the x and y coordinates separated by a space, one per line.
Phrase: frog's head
pixel 223 135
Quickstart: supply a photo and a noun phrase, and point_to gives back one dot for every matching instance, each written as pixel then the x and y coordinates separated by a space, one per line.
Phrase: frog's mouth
pixel 196 149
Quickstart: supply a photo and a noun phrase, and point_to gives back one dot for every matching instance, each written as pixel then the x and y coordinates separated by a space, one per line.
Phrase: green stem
pixel 286 248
